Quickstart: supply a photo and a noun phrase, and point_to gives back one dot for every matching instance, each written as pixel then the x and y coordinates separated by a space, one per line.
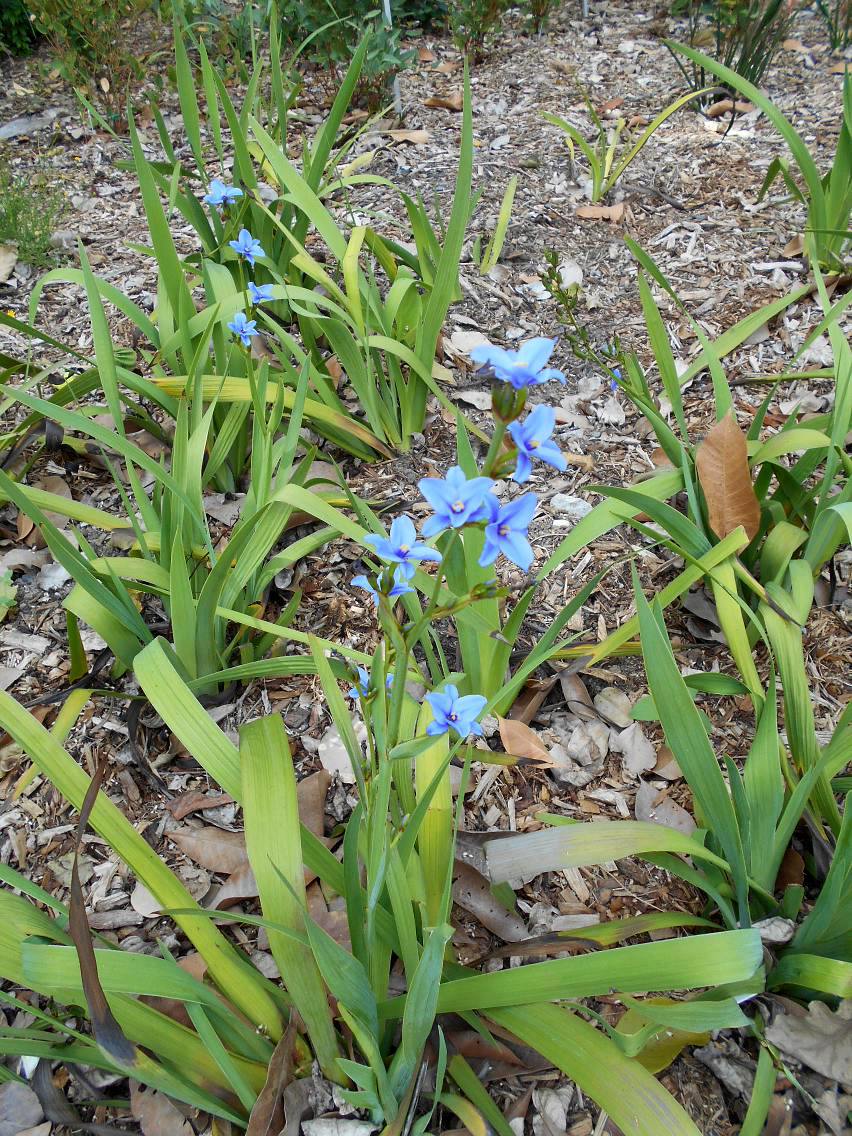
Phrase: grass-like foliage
pixel 746 35
pixel 30 210
pixel 609 154
pixel 828 196
pixel 284 309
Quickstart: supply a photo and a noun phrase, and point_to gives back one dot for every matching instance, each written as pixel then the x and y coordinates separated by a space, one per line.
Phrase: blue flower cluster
pixel 457 501
pixel 220 196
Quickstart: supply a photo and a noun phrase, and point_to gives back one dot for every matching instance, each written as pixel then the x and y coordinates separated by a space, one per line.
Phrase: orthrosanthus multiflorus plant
pixel 478 519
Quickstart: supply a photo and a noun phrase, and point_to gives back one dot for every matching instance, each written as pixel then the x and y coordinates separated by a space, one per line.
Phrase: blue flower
pixel 507 532
pixel 246 246
pixel 362 685
pixel 456 500
pixel 454 713
pixel 260 294
pixel 402 548
pixel 615 380
pixel 532 437
pixel 525 367
pixel 399 587
pixel 219 194
pixel 244 328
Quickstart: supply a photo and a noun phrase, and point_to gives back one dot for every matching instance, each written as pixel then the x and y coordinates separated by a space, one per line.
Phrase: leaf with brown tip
pixel 722 464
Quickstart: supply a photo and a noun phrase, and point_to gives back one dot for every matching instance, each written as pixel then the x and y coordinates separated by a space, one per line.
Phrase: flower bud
pixel 507 403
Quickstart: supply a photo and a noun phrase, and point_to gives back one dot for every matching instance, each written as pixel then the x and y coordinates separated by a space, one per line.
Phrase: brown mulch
pixel 690 200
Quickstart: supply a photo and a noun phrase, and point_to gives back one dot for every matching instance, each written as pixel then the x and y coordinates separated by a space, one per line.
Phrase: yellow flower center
pixel 534 444
pixel 457 506
pixel 405 549
pixel 503 530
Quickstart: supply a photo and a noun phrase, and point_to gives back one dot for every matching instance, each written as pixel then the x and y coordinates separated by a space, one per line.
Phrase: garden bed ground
pixel 690 200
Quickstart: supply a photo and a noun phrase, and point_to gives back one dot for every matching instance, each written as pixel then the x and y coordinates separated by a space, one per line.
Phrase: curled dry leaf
pixel 820 1039
pixel 639 755
pixel 577 698
pixel 414 137
pixel 521 741
pixel 611 213
pixel 267 1115
pixel 19 1108
pixel 725 106
pixel 473 892
pixel 614 706
pixel 156 1114
pixel 8 260
pixel 455 101
pixel 653 805
pixel 722 464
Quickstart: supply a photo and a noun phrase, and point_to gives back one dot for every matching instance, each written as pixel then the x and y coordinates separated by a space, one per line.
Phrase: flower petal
pixel 517 548
pixel 523 468
pixel 536 352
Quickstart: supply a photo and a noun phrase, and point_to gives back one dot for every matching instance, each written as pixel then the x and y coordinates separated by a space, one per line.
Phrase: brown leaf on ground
pixel 221 851
pixel 611 213
pixel 156 1114
pixel 425 55
pixel 19 1107
pixel 455 101
pixel 212 848
pixel 722 464
pixel 521 741
pixel 415 137
pixel 820 1039
pixel 473 892
pixel 474 1047
pixel 267 1115
pixel 195 801
pixel 725 106
pixel 654 805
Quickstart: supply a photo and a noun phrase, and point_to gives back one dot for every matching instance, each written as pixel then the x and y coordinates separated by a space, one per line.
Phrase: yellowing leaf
pixel 722 464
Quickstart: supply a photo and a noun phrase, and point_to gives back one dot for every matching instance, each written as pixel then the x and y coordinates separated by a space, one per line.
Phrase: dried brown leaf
pixel 414 137
pixel 455 101
pixel 267 1116
pixel 654 805
pixel 725 106
pixel 156 1114
pixel 473 892
pixel 722 464
pixel 521 741
pixel 212 848
pixel 611 213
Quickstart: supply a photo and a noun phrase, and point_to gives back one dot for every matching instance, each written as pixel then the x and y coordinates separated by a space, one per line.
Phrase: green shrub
pixel 29 211
pixel 472 22
pixel 89 40
pixel 837 17
pixel 328 34
pixel 17 34
pixel 745 35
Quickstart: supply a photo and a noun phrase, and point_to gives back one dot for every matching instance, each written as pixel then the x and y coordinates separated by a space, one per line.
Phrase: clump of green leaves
pixel 828 196
pixel 540 12
pixel 606 154
pixel 330 34
pixel 17 34
pixel 837 17
pixel 229 35
pixel 745 34
pixel 89 40
pixel 473 22
pixel 30 208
